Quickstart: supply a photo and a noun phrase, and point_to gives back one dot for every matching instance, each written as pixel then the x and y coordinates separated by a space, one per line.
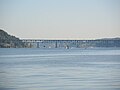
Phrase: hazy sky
pixel 76 19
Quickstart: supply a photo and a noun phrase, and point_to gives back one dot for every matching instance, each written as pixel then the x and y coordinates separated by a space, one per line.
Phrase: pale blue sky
pixel 68 19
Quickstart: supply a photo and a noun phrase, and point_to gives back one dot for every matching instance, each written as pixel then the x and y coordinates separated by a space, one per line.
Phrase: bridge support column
pixel 37 44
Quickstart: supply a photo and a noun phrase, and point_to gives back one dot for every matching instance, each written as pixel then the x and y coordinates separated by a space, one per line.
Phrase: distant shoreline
pixel 9 41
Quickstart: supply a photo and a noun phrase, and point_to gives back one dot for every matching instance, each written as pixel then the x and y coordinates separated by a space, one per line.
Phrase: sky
pixel 60 19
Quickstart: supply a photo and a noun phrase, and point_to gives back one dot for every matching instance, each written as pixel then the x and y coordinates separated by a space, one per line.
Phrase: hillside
pixel 9 41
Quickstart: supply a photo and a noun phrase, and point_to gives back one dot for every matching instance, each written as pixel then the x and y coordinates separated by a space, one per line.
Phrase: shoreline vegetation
pixel 9 41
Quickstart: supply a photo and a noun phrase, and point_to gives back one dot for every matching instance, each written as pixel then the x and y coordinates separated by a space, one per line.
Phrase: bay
pixel 59 69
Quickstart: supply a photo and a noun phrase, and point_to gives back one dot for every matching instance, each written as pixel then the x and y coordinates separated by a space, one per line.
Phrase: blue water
pixel 60 69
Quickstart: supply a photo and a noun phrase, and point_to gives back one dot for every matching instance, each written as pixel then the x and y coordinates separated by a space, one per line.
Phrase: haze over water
pixel 60 69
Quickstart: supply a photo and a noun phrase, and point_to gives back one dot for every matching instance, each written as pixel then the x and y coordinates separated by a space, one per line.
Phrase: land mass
pixel 9 41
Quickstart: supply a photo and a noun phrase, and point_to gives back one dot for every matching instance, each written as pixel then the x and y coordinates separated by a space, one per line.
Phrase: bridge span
pixel 36 43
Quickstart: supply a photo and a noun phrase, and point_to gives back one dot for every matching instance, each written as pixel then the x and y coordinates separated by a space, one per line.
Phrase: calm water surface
pixel 60 69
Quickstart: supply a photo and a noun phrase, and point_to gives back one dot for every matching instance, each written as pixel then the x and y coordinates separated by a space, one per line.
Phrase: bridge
pixel 36 43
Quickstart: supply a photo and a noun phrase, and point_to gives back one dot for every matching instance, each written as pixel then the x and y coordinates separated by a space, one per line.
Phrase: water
pixel 60 69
